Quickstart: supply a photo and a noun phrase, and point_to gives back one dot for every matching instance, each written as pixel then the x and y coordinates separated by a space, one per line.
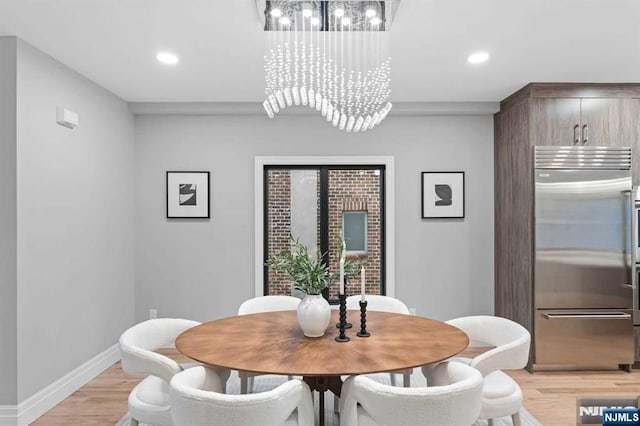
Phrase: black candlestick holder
pixel 342 324
pixel 343 306
pixel 363 320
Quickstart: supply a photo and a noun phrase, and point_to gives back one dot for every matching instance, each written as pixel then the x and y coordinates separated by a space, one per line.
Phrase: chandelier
pixel 331 56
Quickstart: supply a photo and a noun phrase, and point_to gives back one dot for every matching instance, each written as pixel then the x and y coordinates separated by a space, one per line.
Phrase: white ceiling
pixel 221 45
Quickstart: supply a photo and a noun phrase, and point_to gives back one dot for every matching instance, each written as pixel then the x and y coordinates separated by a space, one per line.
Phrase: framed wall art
pixel 442 195
pixel 188 195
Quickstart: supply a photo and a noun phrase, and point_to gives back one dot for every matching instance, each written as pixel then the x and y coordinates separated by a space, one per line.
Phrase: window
pixel 354 229
pixel 319 204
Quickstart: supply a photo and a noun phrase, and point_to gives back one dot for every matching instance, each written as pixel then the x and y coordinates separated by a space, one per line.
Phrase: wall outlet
pixel 153 313
pixel 412 311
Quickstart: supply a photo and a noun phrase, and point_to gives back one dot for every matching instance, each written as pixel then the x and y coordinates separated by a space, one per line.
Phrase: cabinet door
pixel 610 122
pixel 554 120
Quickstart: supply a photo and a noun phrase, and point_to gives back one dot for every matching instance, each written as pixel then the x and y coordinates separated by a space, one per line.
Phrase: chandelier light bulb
pixel 276 13
pixel 284 21
pixel 375 21
pixel 307 12
pixel 371 13
pixel 346 22
pixel 339 13
pixel 315 21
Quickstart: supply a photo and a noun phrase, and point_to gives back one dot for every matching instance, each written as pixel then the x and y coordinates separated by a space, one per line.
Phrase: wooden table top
pixel 273 343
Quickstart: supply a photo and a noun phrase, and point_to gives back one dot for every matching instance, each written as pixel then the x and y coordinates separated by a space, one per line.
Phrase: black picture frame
pixel 445 188
pixel 181 184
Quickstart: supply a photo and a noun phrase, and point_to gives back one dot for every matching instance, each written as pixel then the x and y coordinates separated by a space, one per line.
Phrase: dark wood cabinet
pixel 556 121
pixel 585 121
pixel 610 122
pixel 547 114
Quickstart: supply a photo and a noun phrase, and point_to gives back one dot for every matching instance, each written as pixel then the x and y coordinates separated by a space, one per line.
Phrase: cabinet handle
pixel 585 134
pixel 604 315
pixel 576 137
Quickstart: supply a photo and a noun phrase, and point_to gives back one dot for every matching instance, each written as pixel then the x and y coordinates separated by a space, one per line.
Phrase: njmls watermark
pixel 608 411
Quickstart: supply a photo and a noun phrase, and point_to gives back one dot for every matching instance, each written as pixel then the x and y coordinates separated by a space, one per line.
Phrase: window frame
pixel 386 167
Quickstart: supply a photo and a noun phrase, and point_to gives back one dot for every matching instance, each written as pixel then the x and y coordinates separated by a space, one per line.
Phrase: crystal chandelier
pixel 331 56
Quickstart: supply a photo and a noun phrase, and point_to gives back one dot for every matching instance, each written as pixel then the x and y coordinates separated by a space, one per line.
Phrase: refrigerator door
pixel 593 338
pixel 583 251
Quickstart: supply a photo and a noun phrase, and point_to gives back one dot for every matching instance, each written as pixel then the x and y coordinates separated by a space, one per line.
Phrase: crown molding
pixel 255 108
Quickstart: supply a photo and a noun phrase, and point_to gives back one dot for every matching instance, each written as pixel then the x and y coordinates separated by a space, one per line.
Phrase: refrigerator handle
pixel 628 234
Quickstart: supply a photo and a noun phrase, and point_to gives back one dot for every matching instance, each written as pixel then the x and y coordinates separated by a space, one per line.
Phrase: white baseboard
pixel 38 404
pixel 8 415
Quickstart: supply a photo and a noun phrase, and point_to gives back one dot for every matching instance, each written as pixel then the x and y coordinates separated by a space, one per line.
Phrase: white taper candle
pixel 343 255
pixel 362 282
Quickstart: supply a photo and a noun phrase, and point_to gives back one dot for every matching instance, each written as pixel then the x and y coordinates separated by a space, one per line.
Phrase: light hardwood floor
pixel 549 396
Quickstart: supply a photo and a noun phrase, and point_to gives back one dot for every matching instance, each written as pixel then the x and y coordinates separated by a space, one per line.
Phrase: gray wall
pixel 203 269
pixel 75 221
pixel 8 236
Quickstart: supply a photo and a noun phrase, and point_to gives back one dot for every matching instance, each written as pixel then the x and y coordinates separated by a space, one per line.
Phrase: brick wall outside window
pixel 349 190
pixel 354 190
pixel 279 225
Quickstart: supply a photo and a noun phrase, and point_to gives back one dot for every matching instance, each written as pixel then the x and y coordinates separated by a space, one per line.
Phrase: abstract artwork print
pixel 188 195
pixel 442 195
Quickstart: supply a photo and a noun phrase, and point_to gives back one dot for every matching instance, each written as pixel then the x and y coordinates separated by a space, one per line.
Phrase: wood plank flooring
pixel 549 396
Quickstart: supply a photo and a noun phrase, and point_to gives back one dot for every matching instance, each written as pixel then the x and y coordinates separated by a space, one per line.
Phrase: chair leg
pixel 407 378
pixel 243 382
pixel 393 379
pixel 490 422
pixel 250 384
pixel 516 419
pixel 336 404
pixel 133 422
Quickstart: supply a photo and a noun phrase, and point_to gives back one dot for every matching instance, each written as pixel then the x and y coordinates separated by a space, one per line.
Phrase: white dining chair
pixel 501 395
pixel 452 398
pixel 384 304
pixel 259 305
pixel 149 400
pixel 197 399
pixel 378 303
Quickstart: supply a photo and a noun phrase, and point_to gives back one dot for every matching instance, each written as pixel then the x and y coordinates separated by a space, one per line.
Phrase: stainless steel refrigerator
pixel 583 290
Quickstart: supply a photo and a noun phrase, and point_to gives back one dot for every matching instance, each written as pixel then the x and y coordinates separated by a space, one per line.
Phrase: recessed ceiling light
pixel 346 21
pixel 375 21
pixel 276 13
pixel 371 13
pixel 478 58
pixel 285 21
pixel 167 58
pixel 339 13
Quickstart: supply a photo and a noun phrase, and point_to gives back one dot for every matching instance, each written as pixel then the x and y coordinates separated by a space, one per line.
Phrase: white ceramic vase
pixel 314 315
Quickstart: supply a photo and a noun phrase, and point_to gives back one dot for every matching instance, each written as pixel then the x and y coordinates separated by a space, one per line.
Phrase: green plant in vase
pixel 309 274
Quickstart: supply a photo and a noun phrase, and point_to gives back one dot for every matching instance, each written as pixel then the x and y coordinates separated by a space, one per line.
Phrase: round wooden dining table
pixel 273 343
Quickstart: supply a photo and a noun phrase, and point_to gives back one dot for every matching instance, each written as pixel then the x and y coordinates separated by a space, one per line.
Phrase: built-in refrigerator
pixel 583 286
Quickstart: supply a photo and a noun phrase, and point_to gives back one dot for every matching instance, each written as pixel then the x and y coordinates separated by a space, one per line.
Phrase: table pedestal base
pixel 323 384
